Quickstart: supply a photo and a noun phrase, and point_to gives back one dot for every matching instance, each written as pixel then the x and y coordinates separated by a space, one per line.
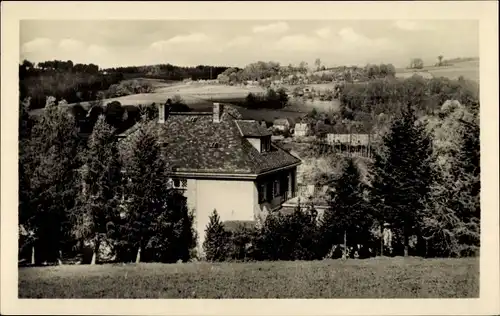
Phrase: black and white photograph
pixel 277 158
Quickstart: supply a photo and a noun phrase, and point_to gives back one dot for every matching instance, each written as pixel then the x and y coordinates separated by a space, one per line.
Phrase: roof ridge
pixel 239 128
pixel 282 149
pixel 190 113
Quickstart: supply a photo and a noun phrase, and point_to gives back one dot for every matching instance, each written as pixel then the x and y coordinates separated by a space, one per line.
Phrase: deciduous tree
pixel 47 164
pixel 452 220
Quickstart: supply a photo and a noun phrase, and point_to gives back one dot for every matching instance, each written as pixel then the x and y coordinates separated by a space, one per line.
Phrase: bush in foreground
pixel 282 237
pixel 216 244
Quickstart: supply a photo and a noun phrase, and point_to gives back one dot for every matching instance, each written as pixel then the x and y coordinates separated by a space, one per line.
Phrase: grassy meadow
pixel 468 69
pixel 369 278
pixel 200 97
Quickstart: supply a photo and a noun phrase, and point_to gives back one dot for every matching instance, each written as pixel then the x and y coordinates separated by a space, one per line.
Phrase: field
pixel 370 278
pixel 200 97
pixel 196 95
pixel 469 70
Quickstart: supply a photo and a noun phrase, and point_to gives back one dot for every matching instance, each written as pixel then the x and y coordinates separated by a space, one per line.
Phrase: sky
pixel 111 43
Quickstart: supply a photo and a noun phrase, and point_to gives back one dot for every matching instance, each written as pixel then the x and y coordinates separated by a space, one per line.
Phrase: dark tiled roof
pixel 252 128
pixel 195 144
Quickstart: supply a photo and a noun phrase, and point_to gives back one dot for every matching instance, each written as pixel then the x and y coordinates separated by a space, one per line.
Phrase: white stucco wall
pixel 233 200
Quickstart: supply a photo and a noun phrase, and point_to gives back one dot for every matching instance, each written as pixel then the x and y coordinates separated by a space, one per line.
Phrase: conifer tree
pixel 402 175
pixel 156 220
pixel 100 194
pixel 216 239
pixel 347 216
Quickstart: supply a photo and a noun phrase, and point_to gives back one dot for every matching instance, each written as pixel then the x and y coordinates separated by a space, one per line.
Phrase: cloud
pixel 325 32
pixel 179 40
pixel 239 41
pixel 42 49
pixel 325 42
pixel 37 44
pixel 96 50
pixel 191 38
pixel 351 38
pixel 298 42
pixel 408 25
pixel 273 28
pixel 69 44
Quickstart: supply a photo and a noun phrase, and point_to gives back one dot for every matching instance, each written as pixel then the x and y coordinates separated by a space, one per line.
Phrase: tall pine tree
pixel 347 220
pixel 96 211
pixel 402 175
pixel 156 221
pixel 215 245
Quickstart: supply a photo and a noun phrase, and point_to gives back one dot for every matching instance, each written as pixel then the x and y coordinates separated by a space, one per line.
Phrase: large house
pixel 225 163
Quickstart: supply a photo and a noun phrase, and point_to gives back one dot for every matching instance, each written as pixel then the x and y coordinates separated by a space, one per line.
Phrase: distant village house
pixel 301 130
pixel 282 124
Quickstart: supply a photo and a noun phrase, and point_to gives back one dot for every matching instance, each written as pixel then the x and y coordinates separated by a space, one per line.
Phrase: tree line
pixel 386 95
pixel 63 80
pixel 272 99
pixel 169 72
pixel 422 187
pixel 85 193
pixel 266 72
pixel 87 82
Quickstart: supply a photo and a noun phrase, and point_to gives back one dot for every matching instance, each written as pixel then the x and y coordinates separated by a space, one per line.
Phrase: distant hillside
pixel 463 67
pixel 460 60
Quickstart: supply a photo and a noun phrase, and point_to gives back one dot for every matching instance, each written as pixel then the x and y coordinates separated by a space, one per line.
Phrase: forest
pixel 87 82
pixel 169 72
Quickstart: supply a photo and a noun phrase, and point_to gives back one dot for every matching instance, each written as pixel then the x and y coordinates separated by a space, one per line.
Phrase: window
pixel 276 188
pixel 289 188
pixel 266 144
pixel 262 192
pixel 179 183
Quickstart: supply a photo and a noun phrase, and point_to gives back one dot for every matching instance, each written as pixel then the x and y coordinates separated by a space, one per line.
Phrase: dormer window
pixel 265 143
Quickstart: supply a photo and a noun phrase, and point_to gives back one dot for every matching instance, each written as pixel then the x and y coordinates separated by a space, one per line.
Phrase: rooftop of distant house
pixel 203 145
pixel 282 121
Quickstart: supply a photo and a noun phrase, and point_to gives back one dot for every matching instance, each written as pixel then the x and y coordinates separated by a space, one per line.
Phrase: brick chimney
pixel 217 112
pixel 164 111
pixel 161 113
